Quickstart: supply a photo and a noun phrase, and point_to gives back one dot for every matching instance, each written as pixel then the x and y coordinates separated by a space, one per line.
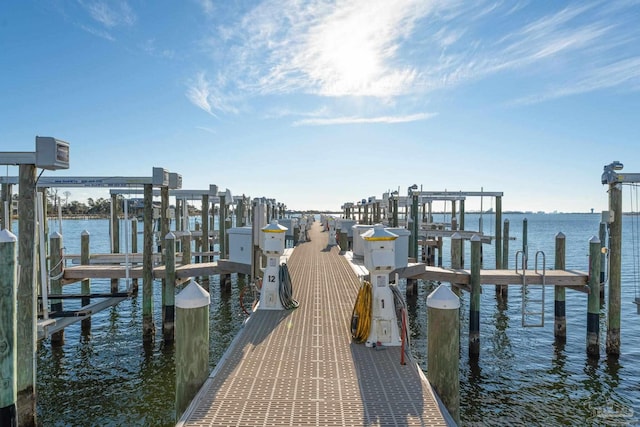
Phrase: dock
pixel 573 279
pixel 301 368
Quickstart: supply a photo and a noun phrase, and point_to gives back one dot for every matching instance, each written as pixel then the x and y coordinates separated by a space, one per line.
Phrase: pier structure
pixel 301 368
pixel 161 178
pixel 614 179
pixel 532 279
pixel 51 154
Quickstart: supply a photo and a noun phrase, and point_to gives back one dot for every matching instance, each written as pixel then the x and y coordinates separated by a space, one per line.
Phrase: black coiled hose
pixel 286 288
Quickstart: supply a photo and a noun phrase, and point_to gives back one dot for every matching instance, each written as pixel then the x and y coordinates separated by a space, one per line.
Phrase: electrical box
pixel 240 245
pixel 273 238
pixel 379 249
pixel 51 153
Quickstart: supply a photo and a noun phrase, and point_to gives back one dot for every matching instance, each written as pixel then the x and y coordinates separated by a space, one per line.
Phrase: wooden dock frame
pixel 471 280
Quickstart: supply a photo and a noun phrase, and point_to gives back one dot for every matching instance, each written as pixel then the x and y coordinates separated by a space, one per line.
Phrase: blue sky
pixel 316 103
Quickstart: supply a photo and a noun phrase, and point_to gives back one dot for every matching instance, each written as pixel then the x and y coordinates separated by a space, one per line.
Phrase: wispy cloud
pixel 110 14
pixel 362 120
pixel 198 93
pixel 625 72
pixel 150 47
pixel 208 95
pixel 207 6
pixel 98 33
pixel 408 49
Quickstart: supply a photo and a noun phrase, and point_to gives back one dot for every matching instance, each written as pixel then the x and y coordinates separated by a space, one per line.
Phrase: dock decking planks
pixel 300 367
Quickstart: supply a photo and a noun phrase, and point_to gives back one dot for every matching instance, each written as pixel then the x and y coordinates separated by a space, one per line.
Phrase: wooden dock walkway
pixel 301 368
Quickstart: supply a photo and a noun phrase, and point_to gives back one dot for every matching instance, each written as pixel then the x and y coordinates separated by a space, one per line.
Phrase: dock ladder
pixel 532 294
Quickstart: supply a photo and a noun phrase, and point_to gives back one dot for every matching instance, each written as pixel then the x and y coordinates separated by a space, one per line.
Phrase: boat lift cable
pixel 362 311
pixel 286 288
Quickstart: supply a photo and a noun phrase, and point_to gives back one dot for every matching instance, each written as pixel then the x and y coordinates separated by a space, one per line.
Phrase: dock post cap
pixel 443 298
pixel 456 235
pixel 170 235
pixel 594 239
pixel 85 233
pixel 55 235
pixel 378 232
pixel 475 238
pixel 6 236
pixel 274 227
pixel 193 296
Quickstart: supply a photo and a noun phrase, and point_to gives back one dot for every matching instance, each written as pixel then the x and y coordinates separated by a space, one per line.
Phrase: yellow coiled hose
pixel 361 315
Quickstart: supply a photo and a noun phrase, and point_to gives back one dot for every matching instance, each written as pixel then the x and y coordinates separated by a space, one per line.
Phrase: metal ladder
pixel 532 295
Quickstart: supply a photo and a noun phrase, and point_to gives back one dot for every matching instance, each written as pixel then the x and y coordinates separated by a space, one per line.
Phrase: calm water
pixel 521 378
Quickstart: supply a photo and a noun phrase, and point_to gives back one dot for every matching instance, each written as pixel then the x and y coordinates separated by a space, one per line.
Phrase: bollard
pixel 593 311
pixel 8 329
pixel 443 347
pixel 192 343
pixel 168 288
pixel 474 306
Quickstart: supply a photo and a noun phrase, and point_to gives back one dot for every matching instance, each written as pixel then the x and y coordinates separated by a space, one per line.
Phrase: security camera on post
pixel 273 236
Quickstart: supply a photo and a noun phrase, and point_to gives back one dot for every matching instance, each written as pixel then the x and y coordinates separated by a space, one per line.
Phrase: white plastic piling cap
pixel 6 236
pixel 443 298
pixel 85 233
pixel 170 235
pixel 55 235
pixel 193 296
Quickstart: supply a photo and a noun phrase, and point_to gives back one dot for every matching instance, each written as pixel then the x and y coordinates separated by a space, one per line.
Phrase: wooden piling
pixel 198 245
pixel 26 297
pixel 560 320
pixel 603 259
pixel 222 225
pixel 134 250
pixel 505 246
pixel 443 348
pixel 461 219
pixel 593 311
pixel 615 266
pixel 204 241
pixel 5 207
pixel 115 235
pixel 413 245
pixel 186 248
pixel 148 327
pixel 85 286
pixel 192 343
pixel 474 305
pixel 456 250
pixel 8 329
pixel 498 228
pixel 525 241
pixel 394 222
pixel 55 268
pixel 168 288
